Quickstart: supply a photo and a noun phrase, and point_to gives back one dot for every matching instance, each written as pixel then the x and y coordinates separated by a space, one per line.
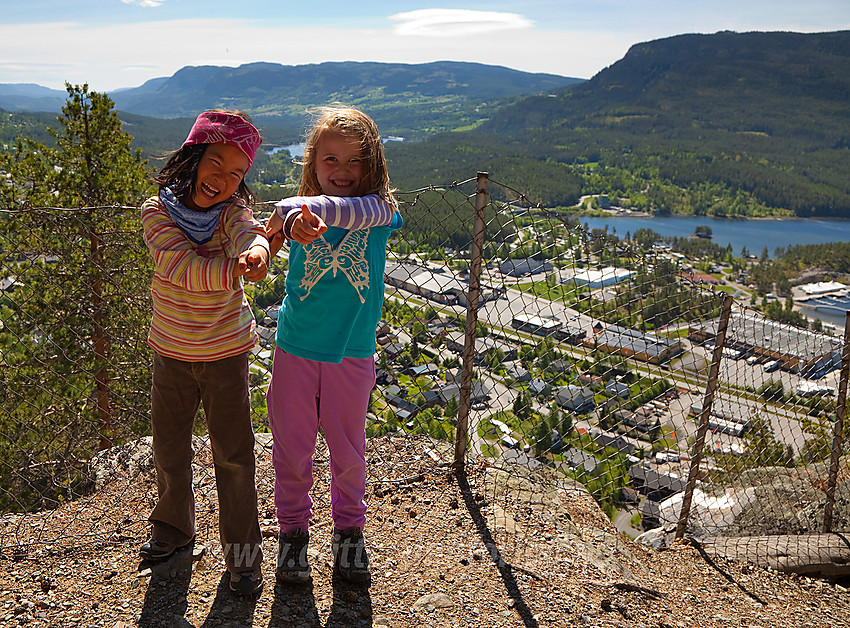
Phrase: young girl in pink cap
pixel 324 364
pixel 204 240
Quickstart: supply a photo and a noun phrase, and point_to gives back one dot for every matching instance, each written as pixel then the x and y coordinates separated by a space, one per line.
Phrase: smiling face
pixel 220 172
pixel 339 165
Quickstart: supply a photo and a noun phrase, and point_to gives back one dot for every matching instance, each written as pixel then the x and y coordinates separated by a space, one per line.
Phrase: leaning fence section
pixel 618 363
pixel 553 359
pixel 775 459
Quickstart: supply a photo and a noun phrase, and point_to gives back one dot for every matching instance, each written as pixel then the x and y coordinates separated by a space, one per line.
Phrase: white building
pixel 593 278
pixel 822 287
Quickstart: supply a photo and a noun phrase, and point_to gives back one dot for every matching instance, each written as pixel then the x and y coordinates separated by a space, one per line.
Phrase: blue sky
pixel 122 43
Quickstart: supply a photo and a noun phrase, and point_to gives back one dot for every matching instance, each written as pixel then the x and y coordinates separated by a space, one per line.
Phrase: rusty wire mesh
pixel 591 359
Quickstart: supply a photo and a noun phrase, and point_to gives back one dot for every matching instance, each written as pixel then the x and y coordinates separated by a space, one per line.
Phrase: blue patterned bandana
pixel 198 226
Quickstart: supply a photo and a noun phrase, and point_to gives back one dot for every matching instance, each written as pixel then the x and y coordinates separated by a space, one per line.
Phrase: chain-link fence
pixel 513 338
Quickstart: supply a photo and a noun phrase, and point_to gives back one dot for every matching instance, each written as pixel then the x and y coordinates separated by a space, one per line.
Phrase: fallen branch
pixel 623 585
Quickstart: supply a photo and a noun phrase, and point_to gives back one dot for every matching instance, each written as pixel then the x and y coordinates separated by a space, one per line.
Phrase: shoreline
pixel 637 214
pixel 746 236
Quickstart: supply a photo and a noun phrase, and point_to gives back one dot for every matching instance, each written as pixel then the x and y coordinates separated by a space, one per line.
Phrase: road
pixel 784 420
pixel 623 523
pixel 500 313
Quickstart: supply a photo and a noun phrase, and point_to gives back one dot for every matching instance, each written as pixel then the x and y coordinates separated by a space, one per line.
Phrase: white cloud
pixel 144 3
pixel 454 22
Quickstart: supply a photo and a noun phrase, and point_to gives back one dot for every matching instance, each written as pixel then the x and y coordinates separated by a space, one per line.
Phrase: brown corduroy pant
pixel 178 390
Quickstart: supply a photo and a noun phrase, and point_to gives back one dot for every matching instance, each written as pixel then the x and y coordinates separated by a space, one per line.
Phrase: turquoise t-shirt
pixel 335 294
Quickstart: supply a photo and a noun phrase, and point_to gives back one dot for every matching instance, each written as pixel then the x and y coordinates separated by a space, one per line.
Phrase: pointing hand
pixel 307 227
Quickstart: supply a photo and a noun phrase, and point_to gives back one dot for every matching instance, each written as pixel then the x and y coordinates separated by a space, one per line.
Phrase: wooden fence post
pixel 473 296
pixel 707 403
pixel 838 429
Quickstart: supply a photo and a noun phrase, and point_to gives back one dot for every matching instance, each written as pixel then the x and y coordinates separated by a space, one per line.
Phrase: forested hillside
pixel 31 125
pixel 408 100
pixel 273 87
pixel 730 123
pixel 411 101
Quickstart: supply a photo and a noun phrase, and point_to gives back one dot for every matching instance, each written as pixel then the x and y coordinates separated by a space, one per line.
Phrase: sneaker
pixel 246 582
pixel 292 564
pixel 159 550
pixel 351 561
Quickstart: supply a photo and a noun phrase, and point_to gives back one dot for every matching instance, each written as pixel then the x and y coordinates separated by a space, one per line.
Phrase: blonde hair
pixel 350 123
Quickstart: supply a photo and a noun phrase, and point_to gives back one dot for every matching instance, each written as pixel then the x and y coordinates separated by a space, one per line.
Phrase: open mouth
pixel 208 190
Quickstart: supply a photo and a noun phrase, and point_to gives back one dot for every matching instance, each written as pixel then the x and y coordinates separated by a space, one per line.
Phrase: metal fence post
pixel 707 403
pixel 473 296
pixel 838 429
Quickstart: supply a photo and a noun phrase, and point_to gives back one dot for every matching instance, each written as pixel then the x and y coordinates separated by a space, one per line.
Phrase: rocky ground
pixel 819 273
pixel 491 548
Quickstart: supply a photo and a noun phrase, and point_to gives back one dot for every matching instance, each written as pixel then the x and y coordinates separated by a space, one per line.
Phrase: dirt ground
pixel 492 547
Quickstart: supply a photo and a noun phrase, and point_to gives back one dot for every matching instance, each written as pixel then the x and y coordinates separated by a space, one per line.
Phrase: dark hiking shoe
pixel 155 550
pixel 292 564
pixel 351 561
pixel 246 582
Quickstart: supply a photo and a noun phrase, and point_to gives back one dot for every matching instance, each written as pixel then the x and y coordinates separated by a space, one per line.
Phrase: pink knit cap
pixel 216 127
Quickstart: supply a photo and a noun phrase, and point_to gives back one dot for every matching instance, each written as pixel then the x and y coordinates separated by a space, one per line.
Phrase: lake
pixel 297 150
pixel 753 234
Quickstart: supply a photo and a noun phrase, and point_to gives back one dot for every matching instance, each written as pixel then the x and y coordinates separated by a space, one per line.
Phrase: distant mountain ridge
pixel 30 97
pixel 764 113
pixel 276 88
pixel 413 100
pixel 739 80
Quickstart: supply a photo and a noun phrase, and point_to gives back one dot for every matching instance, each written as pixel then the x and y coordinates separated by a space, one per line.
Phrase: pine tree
pixel 81 306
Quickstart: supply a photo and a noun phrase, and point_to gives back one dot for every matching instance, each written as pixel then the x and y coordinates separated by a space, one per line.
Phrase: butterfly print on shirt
pixel 349 257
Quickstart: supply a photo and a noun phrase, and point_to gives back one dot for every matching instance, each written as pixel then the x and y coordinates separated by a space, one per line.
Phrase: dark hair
pixel 181 170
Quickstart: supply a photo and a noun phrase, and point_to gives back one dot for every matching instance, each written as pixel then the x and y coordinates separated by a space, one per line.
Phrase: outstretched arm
pixel 348 212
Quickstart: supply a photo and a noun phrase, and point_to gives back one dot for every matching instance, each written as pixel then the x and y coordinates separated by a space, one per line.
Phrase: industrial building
pixel 440 285
pixel 634 344
pixel 796 350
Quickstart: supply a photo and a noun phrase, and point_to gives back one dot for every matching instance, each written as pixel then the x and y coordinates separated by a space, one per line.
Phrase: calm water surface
pixel 297 150
pixel 752 234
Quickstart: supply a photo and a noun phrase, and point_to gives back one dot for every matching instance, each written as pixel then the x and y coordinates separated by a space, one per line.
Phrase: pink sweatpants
pixel 302 396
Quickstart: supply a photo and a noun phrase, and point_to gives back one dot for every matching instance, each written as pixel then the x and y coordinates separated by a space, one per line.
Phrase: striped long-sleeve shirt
pixel 346 212
pixel 200 312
